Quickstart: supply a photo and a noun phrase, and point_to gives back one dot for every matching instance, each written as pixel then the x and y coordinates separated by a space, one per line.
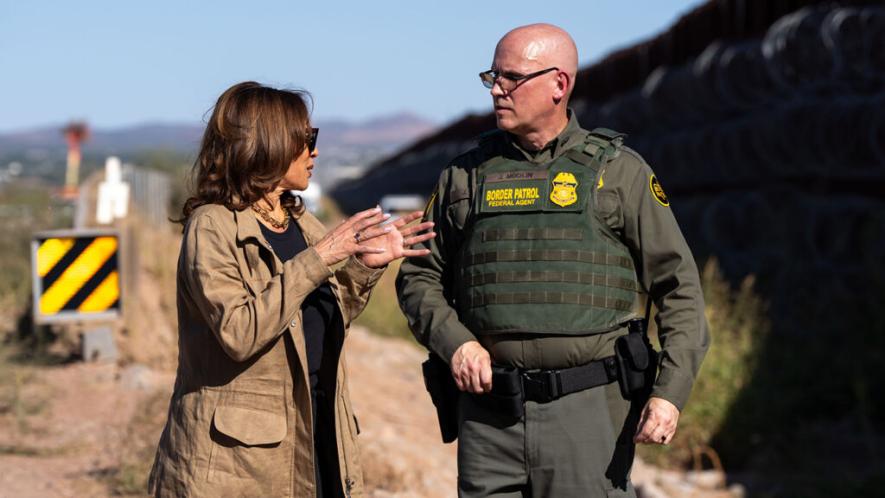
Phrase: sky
pixel 118 63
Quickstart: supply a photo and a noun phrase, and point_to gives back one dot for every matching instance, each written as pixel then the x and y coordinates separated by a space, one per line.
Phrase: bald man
pixel 546 234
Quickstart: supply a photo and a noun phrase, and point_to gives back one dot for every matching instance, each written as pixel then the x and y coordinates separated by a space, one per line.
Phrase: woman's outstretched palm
pixel 397 243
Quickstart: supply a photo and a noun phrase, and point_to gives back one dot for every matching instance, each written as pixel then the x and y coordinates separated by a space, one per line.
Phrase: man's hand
pixel 472 368
pixel 657 425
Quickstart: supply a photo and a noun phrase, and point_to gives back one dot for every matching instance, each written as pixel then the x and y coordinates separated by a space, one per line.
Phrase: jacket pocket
pixel 608 207
pixel 256 285
pixel 458 207
pixel 348 445
pixel 249 440
pixel 250 427
pixel 352 423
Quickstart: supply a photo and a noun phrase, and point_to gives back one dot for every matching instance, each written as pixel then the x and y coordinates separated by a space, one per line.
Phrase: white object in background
pixel 113 194
pixel 401 203
pixel 311 196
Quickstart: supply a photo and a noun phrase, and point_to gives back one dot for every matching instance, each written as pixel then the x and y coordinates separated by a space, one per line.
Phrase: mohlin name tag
pixel 513 191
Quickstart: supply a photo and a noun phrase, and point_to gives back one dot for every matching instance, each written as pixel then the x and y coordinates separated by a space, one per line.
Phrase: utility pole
pixel 75 134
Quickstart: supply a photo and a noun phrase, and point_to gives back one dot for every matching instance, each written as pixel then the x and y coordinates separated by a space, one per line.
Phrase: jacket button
pixel 293 323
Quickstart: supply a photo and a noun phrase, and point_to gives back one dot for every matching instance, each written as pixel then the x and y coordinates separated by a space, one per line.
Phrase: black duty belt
pixel 512 387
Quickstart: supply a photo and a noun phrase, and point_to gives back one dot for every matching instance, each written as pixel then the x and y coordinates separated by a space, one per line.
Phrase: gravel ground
pixel 76 428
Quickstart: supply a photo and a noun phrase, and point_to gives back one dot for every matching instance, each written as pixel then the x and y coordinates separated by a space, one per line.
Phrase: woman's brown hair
pixel 254 133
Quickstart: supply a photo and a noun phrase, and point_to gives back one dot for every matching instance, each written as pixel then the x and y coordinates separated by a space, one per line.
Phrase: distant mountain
pixel 386 132
pixel 179 137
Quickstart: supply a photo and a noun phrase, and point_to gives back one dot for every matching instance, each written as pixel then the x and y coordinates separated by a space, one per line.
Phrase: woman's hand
pixel 350 236
pixel 395 244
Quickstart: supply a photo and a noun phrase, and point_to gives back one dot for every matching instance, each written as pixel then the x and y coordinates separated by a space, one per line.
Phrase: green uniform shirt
pixel 628 204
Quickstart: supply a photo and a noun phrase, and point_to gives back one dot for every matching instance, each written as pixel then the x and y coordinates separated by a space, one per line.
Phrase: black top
pixel 319 310
pixel 319 313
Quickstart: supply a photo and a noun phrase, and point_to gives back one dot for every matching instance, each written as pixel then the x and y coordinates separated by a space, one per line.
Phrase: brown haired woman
pixel 260 405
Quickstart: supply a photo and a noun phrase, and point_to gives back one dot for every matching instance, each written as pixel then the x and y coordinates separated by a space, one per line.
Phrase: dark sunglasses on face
pixel 312 140
pixel 509 81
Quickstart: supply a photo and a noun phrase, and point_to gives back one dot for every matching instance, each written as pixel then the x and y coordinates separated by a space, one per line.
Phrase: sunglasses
pixel 312 140
pixel 509 81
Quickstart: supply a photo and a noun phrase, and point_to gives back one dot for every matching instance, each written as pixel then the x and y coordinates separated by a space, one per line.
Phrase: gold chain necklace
pixel 266 216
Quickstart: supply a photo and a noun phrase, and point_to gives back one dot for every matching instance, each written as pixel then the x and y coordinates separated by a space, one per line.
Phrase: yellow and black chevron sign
pixel 76 275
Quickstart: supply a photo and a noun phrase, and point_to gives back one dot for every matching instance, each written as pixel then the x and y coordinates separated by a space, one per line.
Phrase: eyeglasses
pixel 312 140
pixel 509 81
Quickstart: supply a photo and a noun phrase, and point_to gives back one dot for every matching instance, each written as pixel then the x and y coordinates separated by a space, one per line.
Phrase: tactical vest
pixel 536 257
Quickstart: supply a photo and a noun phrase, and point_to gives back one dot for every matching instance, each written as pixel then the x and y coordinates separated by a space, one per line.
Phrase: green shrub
pixel 27 207
pixel 738 327
pixel 382 315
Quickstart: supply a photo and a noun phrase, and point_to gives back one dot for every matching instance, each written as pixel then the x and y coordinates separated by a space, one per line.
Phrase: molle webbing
pixel 548 297
pixel 536 257
pixel 573 255
pixel 532 234
pixel 506 277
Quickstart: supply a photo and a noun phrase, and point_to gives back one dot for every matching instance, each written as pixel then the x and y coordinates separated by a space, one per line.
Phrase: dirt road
pixel 90 429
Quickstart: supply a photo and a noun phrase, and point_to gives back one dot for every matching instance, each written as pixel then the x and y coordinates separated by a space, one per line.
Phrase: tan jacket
pixel 240 422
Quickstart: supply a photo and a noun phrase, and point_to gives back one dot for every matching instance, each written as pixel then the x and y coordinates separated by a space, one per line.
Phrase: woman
pixel 260 405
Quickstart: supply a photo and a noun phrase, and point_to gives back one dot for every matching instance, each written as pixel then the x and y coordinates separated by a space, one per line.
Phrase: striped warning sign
pixel 76 275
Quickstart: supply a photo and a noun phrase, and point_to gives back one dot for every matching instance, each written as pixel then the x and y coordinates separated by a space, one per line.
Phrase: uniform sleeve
pixel 424 284
pixel 667 269
pixel 244 324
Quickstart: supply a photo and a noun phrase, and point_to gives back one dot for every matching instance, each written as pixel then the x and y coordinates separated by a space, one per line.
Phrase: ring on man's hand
pixel 356 237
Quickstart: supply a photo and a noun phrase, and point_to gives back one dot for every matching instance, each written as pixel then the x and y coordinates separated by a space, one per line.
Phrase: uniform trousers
pixel 580 445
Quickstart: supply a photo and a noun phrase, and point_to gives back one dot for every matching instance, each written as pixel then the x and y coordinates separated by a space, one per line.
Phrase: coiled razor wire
pixel 773 150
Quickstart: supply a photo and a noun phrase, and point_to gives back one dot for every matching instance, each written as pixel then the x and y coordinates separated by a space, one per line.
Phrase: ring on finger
pixel 356 237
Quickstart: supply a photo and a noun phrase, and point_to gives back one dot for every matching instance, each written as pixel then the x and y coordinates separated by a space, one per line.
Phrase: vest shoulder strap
pixel 608 134
pixel 600 146
pixel 603 144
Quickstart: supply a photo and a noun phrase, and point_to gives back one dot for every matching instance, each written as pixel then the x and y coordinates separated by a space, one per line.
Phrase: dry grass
pixel 738 327
pixel 28 208
pixel 24 400
pixel 382 315
pixel 130 475
pixel 149 334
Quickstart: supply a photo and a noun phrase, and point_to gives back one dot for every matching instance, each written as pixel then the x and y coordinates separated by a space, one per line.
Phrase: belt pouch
pixel 506 393
pixel 444 394
pixel 632 356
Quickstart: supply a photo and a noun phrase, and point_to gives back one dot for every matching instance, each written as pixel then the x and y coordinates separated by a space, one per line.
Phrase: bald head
pixel 531 99
pixel 545 45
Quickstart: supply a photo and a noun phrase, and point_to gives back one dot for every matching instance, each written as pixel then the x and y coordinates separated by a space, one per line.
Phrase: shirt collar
pixel 567 138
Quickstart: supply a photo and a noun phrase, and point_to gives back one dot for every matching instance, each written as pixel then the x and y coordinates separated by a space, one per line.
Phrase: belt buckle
pixel 542 386
pixel 554 390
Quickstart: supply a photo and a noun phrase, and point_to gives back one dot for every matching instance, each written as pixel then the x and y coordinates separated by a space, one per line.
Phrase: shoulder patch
pixel 429 205
pixel 657 191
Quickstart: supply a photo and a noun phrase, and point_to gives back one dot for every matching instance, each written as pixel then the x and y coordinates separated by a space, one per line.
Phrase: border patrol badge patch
pixel 564 191
pixel 657 191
